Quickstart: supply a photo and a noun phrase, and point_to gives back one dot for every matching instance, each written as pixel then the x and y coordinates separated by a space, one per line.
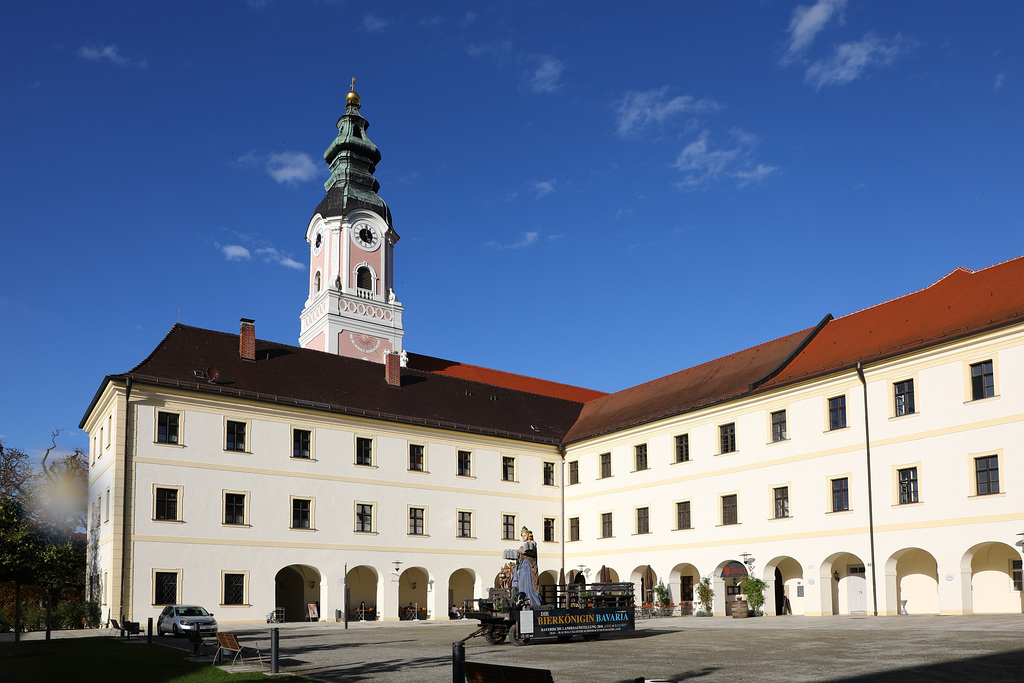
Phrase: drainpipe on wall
pixel 561 451
pixel 871 514
pixel 126 512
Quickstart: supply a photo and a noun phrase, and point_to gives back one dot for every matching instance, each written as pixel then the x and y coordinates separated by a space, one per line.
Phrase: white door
pixel 857 589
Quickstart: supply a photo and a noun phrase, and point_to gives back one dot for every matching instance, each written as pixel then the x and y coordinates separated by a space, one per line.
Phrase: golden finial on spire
pixel 352 97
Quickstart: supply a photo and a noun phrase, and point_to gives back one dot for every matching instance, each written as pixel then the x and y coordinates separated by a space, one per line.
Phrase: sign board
pixel 313 613
pixel 572 622
pixel 734 570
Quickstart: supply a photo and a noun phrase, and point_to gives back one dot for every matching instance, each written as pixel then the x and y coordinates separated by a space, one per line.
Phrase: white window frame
pixel 355 450
pixel 248 435
pixel 472 523
pixel 425 469
pixel 973 473
pixel 355 517
pixel 968 393
pixel 426 517
pixel 312 513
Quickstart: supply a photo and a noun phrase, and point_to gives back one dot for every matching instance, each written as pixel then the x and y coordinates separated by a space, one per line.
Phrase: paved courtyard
pixel 917 648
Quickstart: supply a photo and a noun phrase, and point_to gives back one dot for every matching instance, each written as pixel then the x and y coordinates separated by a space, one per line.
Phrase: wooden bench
pixel 229 643
pixel 478 672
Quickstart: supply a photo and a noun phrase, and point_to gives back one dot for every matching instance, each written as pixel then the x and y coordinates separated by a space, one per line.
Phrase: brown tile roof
pixel 703 385
pixel 294 376
pixel 499 378
pixel 961 303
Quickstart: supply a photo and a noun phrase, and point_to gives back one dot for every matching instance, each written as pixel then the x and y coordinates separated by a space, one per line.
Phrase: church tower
pixel 351 309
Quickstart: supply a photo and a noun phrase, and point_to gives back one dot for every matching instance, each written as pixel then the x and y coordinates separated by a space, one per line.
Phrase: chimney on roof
pixel 393 369
pixel 247 340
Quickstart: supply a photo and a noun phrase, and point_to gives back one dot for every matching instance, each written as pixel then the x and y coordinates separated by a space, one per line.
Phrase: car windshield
pixel 192 612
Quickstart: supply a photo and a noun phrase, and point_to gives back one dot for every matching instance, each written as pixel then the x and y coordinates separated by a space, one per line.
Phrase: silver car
pixel 177 619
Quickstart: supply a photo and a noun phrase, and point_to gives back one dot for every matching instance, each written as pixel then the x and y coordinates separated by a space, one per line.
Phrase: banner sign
pixel 574 622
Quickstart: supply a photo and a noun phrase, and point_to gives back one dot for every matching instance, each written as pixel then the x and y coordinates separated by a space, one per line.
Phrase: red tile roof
pixel 499 378
pixel 712 382
pixel 961 303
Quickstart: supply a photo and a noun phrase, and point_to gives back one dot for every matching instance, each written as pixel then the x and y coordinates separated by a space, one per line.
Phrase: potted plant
pixel 706 596
pixel 754 590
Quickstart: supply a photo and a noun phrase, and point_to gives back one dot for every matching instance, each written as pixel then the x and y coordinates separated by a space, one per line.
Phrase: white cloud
pixel 702 163
pixel 291 167
pixel 639 109
pixel 110 54
pixel 374 24
pixel 807 22
pixel 544 187
pixel 235 252
pixel 272 255
pixel 1000 79
pixel 755 175
pixel 499 49
pixel 547 74
pixel 529 239
pixel 850 60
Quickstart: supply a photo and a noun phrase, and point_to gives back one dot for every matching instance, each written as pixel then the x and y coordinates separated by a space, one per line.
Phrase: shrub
pixel 754 590
pixel 662 593
pixel 706 596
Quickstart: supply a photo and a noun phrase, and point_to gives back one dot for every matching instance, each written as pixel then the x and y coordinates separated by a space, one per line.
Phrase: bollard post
pixel 458 663
pixel 149 631
pixel 273 649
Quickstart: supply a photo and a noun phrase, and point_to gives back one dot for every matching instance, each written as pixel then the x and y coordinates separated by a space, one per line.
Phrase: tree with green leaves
pixel 42 516
pixel 754 590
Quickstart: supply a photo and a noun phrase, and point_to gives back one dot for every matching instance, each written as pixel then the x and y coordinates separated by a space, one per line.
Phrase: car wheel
pixel 175 631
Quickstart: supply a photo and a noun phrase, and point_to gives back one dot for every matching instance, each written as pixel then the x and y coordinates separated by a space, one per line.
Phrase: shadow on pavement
pixel 1000 666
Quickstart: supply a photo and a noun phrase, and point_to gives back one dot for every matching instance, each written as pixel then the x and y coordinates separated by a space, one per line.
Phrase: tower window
pixel 364 279
pixel 316 282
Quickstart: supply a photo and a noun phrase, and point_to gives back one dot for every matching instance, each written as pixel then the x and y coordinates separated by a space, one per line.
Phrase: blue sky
pixel 589 192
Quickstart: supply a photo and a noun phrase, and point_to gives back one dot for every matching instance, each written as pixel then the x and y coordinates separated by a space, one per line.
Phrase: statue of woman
pixel 526 579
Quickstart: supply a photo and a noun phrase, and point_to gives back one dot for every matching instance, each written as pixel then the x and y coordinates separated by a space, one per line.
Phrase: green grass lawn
pixel 111 660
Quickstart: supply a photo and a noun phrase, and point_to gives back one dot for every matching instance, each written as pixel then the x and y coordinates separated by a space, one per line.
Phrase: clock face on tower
pixel 318 242
pixel 366 236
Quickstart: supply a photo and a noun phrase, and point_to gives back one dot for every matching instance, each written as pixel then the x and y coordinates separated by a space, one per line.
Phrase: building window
pixel 234 589
pixel 465 529
pixel 904 396
pixel 986 472
pixel 781 497
pixel 640 457
pixel 364 451
pixel 643 520
pixel 464 466
pixel 908 485
pixel 574 528
pixel 729 512
pixel 606 525
pixel 840 494
pixel 683 448
pixel 364 518
pixel 837 413
pixel 508 468
pixel 508 527
pixel 302 513
pixel 165 588
pixel 415 458
pixel 1017 569
pixel 683 515
pixel 983 380
pixel 416 521
pixel 106 506
pixel 686 583
pixel 549 529
pixel 606 465
pixel 549 474
pixel 166 504
pixel 234 508
pixel 778 426
pixel 235 440
pixel 574 472
pixel 727 437
pixel 301 439
pixel 167 427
